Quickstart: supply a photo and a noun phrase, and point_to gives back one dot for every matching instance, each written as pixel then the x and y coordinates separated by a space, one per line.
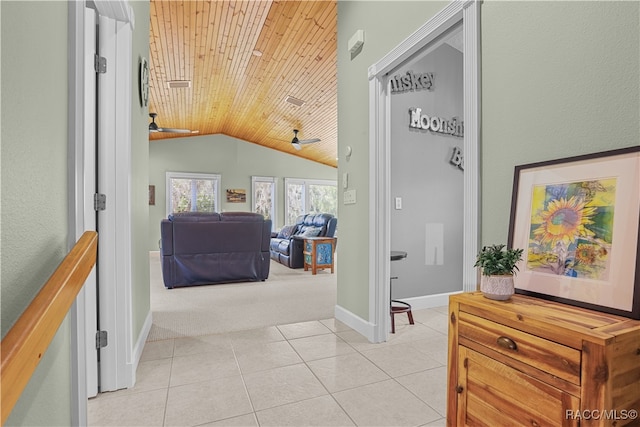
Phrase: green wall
pixel 33 217
pixel 558 79
pixel 385 25
pixel 34 188
pixel 234 159
pixel 140 291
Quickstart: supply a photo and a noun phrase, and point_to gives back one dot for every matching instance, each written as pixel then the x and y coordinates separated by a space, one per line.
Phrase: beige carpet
pixel 287 296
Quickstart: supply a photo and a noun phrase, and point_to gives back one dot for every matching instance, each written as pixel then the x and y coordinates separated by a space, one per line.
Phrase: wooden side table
pixel 318 253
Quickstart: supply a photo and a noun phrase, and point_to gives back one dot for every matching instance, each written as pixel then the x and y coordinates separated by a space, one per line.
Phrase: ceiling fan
pixel 298 143
pixel 153 127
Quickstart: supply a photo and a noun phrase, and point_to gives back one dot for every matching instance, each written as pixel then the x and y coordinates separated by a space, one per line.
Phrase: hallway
pixel 311 373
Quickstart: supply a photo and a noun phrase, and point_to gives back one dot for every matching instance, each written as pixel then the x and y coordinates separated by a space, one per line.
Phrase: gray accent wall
pixel 235 160
pixel 429 224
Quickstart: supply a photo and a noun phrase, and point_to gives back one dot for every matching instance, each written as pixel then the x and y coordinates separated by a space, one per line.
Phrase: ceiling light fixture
pixel 257 53
pixel 295 101
pixel 174 84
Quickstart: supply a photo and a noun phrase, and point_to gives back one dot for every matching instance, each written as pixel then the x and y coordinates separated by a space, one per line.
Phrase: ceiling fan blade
pixel 153 127
pixel 171 130
pixel 308 141
pixel 297 143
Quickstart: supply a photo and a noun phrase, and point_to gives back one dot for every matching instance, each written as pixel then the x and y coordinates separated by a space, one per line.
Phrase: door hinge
pixel 100 64
pixel 99 202
pixel 101 339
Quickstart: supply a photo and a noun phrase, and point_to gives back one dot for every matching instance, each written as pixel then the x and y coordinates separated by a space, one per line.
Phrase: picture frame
pixel 235 195
pixel 152 195
pixel 578 221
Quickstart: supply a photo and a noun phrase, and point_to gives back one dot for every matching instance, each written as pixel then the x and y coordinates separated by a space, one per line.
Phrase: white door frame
pixel 119 371
pixel 78 201
pixel 467 12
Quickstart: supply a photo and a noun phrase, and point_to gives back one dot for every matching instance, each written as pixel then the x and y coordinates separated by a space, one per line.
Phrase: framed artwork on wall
pixel 235 195
pixel 578 221
pixel 152 195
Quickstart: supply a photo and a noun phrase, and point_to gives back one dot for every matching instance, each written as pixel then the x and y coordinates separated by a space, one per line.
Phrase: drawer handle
pixel 507 343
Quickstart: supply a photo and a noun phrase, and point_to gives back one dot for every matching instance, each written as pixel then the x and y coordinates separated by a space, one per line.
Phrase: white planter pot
pixel 497 287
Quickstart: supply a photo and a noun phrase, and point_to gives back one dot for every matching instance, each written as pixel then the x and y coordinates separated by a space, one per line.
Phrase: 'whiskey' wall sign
pixel 411 81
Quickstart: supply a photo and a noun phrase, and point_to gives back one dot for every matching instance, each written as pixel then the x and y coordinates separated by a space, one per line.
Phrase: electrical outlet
pixel 350 197
pixel 398 202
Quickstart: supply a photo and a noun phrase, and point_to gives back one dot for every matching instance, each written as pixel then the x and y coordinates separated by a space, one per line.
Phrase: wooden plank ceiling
pixel 236 92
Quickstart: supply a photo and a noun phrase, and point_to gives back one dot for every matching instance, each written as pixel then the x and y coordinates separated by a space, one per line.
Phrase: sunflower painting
pixel 571 228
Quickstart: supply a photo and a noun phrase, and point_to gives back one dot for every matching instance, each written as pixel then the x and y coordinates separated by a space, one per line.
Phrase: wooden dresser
pixel 532 362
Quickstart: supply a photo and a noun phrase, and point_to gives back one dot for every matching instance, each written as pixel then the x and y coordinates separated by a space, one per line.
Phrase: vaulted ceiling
pixel 245 61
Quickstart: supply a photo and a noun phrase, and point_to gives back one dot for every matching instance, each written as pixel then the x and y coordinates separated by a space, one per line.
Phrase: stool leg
pixel 410 317
pixel 393 323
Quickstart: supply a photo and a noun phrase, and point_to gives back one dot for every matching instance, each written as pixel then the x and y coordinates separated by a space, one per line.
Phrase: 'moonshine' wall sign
pixel 417 120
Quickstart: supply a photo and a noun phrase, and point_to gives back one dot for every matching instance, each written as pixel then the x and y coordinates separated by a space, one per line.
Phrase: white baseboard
pixel 355 322
pixel 429 301
pixel 367 329
pixel 139 347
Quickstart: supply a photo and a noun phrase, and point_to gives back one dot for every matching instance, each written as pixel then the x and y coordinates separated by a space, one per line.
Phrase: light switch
pixel 398 203
pixel 345 180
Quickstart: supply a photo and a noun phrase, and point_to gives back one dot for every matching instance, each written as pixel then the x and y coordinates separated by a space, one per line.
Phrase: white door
pixel 89 376
pixel 116 362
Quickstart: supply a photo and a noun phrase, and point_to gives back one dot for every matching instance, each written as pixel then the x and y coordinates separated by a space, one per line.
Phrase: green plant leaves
pixel 496 260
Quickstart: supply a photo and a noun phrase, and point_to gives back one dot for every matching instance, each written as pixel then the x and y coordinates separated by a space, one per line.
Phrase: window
pixel 192 192
pixel 264 197
pixel 309 196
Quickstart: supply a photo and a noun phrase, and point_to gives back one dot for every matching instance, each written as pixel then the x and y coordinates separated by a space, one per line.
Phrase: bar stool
pixel 396 306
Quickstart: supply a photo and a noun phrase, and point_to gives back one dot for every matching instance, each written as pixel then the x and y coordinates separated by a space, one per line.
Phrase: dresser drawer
pixel 550 357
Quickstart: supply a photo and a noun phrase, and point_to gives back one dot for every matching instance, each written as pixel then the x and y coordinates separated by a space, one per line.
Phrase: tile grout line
pixel 244 384
pixel 320 381
pixel 166 400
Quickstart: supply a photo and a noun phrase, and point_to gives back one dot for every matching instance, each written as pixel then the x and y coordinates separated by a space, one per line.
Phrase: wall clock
pixel 143 84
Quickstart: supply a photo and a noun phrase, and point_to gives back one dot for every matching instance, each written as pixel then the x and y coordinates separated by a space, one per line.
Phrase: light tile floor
pixel 319 373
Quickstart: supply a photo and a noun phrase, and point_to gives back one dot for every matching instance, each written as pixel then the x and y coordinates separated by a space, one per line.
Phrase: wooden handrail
pixel 25 343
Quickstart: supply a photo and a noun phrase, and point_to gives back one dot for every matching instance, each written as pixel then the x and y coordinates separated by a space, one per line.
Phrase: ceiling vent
pixel 174 84
pixel 295 101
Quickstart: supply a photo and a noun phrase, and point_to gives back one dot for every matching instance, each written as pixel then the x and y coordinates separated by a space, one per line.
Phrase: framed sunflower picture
pixel 578 221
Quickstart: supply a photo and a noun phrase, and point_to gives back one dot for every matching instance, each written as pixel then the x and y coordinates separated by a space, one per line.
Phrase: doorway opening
pixel 456 14
pixel 426 182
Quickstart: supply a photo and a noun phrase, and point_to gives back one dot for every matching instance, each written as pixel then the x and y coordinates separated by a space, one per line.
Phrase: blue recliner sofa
pixel 205 248
pixel 287 245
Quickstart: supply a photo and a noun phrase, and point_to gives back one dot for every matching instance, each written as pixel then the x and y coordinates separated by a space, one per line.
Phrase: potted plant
pixel 498 265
